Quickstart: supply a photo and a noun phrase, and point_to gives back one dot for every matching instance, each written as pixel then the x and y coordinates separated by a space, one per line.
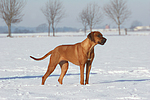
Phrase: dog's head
pixel 97 38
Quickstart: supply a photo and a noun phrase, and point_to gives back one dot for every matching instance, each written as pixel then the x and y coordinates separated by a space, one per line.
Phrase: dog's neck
pixel 87 45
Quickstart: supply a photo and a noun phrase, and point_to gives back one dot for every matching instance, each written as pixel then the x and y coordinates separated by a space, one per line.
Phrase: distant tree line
pixel 90 16
pixel 39 29
pixel 135 24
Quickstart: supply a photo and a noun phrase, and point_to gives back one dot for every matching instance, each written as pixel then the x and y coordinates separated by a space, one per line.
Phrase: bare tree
pixel 94 15
pixel 10 11
pixel 82 18
pixel 54 12
pixel 117 10
pixel 46 11
pixel 90 15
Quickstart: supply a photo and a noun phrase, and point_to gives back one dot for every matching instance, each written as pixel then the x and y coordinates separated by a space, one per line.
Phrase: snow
pixel 120 71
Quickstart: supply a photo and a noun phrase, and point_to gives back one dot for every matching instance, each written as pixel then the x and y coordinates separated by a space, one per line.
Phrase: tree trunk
pixel 53 29
pixel 9 31
pixel 49 30
pixel 119 25
pixel 90 28
pixel 119 29
pixel 85 30
pixel 125 31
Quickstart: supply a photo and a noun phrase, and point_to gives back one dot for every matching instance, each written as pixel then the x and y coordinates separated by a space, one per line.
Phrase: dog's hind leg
pixel 51 67
pixel 49 71
pixel 64 68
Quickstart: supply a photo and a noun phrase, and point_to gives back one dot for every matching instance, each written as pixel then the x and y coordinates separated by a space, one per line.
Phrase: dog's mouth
pixel 103 41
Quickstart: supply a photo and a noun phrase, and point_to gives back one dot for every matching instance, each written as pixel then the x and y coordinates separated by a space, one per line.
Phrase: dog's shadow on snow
pixel 117 81
pixel 39 76
pixel 77 74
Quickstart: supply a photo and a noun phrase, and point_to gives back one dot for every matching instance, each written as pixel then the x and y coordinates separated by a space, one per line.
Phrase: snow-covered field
pixel 120 71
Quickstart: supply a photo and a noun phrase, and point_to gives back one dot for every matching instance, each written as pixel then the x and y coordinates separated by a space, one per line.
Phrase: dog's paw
pixel 82 83
pixel 60 81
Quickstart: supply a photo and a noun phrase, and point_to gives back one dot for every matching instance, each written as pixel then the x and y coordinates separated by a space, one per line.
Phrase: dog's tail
pixel 43 56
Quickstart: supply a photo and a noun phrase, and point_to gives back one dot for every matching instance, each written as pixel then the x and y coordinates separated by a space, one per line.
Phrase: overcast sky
pixel 33 16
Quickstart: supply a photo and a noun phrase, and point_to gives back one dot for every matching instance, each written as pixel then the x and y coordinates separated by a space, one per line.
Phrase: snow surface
pixel 120 71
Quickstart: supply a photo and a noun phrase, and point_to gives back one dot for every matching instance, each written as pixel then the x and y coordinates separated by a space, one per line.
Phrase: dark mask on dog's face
pixel 103 41
pixel 91 36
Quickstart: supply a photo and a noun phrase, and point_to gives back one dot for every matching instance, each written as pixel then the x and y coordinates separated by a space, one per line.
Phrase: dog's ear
pixel 91 36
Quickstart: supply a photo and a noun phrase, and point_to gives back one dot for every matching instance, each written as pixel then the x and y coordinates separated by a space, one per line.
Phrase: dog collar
pixel 89 59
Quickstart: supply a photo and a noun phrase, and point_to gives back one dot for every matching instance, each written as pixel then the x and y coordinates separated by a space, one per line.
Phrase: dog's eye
pixel 99 35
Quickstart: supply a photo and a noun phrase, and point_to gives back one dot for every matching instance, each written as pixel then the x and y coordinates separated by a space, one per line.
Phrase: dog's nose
pixel 104 41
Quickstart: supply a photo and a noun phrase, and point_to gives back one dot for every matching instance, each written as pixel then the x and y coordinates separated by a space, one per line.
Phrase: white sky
pixel 33 16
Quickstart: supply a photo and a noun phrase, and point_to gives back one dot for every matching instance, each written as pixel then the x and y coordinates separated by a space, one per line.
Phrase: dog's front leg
pixel 82 74
pixel 88 68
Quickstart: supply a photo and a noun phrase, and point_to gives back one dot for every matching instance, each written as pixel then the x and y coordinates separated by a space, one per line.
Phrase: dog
pixel 79 54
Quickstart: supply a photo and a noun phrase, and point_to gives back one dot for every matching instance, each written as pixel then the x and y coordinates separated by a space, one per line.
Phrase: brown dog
pixel 79 54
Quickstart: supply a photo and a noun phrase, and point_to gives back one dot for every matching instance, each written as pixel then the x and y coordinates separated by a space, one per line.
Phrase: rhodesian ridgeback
pixel 79 54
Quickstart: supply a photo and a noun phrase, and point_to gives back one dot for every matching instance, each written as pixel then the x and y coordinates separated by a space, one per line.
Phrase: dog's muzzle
pixel 103 41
